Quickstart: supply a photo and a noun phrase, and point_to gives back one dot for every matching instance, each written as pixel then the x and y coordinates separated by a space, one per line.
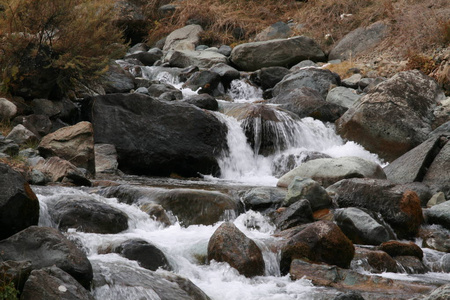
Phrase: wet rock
pixel 203 101
pixel 19 206
pixel 149 142
pixel 7 109
pixel 263 197
pixel 229 244
pixel 440 293
pixel 394 117
pixel 320 80
pixel 128 280
pixel 147 255
pixel 285 162
pixel 21 135
pixel 358 41
pixel 321 241
pixel 349 296
pixel 157 212
pixel 360 227
pixel 53 284
pixel 343 96
pixel 327 171
pixel 296 214
pixel 105 158
pixel 306 188
pixel 445 263
pixel 399 207
pixel 206 82
pixel 88 215
pixel 147 58
pixel 60 170
pixel 279 52
pixel 270 76
pixel 374 261
pixel 435 237
pixel 227 73
pixel 164 91
pixel 439 214
pixel 200 59
pixel 396 248
pixel 16 272
pixel 279 30
pixel 47 247
pixel 74 143
pixel 117 80
pixel 185 38
pixel 307 102
pixel 411 264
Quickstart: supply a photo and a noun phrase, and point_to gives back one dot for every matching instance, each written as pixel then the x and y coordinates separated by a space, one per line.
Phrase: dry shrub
pixel 5 127
pixel 69 41
pixel 420 62
pixel 343 68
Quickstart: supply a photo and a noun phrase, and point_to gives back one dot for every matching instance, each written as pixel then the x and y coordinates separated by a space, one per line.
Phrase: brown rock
pixel 396 248
pixel 378 261
pixel 60 170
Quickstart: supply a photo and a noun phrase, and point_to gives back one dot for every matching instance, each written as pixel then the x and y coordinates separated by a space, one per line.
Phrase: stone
pixel 16 272
pixel 40 125
pixel 147 58
pixel 263 197
pixel 306 188
pixel 117 80
pixel 149 142
pixel 441 293
pixel 399 206
pixel 320 242
pixel 411 264
pixel 327 171
pixel 185 38
pixel 203 101
pixel 164 91
pixel 19 206
pixel 225 50
pixel 358 41
pixel 285 162
pixel 201 59
pixel 60 170
pixel 8 147
pixel 394 117
pixel 47 247
pixel 229 244
pixel 279 52
pixel 270 76
pixel 349 296
pixel 435 237
pixel 437 174
pixel 396 248
pixel 352 81
pixel 303 64
pixel 296 214
pixel 204 82
pixel 105 158
pixel 374 261
pixel 147 255
pixel 88 215
pixel 227 73
pixel 8 110
pixel 73 143
pixel 360 227
pixel 436 199
pixel 22 136
pixel 343 96
pixel 52 283
pixel 279 30
pixel 439 214
pixel 320 80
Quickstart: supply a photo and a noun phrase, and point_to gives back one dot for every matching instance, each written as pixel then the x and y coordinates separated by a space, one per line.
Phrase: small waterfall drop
pixel 243 91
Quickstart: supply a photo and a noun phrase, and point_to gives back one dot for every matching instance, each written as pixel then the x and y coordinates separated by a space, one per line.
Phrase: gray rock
pixel 201 59
pixel 8 147
pixel 205 82
pixel 226 72
pixel 7 109
pixel 45 107
pixel 359 41
pixel 279 30
pixel 438 174
pixel 117 80
pixel 440 293
pixel 162 90
pixel 263 197
pixel 306 188
pixel 147 255
pixel 40 125
pixel 296 214
pixel 204 101
pixel 60 170
pixel 439 214
pixel 139 47
pixel 15 272
pixel 105 158
pixel 436 199
pixel 442 113
pixel 147 58
pixel 225 50
pixel 21 135
pixel 38 178
pixel 285 162
pixel 445 263
pixel 436 237
pixel 142 90
pixel 343 96
pixel 411 264
pixel 280 52
pixel 394 117
pixel 352 81
pixel 185 38
pixel 327 171
pixel 201 47
pixel 303 64
pixel 270 76
pixel 360 227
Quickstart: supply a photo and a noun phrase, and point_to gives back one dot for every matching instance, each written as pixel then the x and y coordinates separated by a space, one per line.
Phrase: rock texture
pixel 185 38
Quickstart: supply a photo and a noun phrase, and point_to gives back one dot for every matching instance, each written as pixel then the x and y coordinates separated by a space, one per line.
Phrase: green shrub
pixel 55 44
pixel 8 291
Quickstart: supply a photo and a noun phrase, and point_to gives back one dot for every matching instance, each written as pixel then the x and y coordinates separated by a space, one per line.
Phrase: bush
pixel 48 46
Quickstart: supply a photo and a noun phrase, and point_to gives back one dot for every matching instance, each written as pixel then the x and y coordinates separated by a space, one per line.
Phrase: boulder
pixel 185 38
pixel 439 214
pixel 352 81
pixel 320 242
pixel 360 227
pixel 117 80
pixel 203 101
pixel 8 110
pixel 320 80
pixel 164 91
pixel 411 264
pixel 229 244
pixel 46 247
pixel 263 197
pixel 270 76
pixel 73 143
pixel 394 117
pixel 105 158
pixel 296 214
pixel 436 238
pixel 204 82
pixel 40 125
pixel 279 30
pixel 60 170
pixel 201 59
pixel 45 107
pixel 22 136
pixel 303 64
pixel 19 206
pixel 147 58
pixel 307 102
pixel 157 138
pixel 306 188
pixel 358 41
pixel 52 283
pixel 285 162
pixel 129 280
pixel 374 261
pixel 147 255
pixel 437 174
pixel 398 206
pixel 88 215
pixel 343 96
pixel 327 171
pixel 227 73
pixel 279 52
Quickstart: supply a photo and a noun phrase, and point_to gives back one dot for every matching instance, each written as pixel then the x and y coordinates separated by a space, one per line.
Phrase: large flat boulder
pixel 153 137
pixel 394 117
pixel 201 59
pixel 279 52
pixel 185 38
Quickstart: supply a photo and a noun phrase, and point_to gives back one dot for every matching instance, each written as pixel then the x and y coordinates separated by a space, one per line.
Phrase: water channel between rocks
pixel 186 247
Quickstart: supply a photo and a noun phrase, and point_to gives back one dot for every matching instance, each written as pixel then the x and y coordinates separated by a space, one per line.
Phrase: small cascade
pixel 242 91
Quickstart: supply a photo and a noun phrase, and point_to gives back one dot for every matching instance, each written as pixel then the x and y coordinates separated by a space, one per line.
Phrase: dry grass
pixel 5 127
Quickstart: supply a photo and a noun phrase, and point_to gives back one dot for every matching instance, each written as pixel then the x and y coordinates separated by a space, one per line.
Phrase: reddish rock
pixel 396 248
pixel 378 261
